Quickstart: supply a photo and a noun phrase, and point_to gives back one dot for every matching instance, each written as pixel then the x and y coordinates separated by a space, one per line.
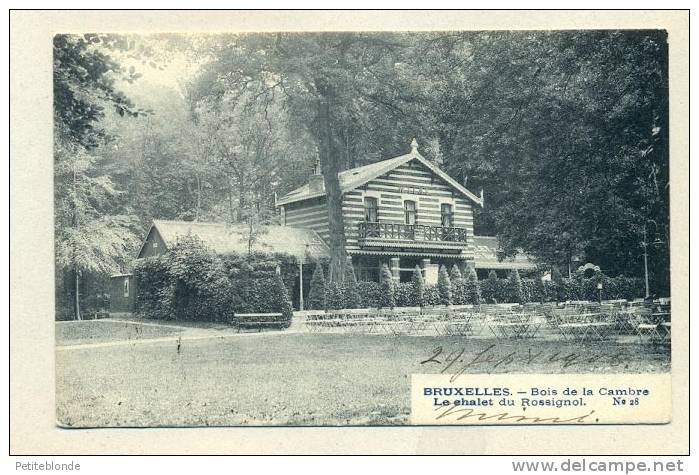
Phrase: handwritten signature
pixel 458 363
pixel 462 413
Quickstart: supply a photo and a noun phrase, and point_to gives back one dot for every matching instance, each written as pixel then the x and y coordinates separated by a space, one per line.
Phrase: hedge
pixel 498 291
pixel 191 282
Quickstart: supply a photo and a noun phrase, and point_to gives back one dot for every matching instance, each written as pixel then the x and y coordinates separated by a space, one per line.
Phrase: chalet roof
pixel 225 238
pixel 485 254
pixel 355 177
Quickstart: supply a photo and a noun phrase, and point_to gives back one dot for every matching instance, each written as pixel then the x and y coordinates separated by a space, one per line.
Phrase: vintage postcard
pixel 367 227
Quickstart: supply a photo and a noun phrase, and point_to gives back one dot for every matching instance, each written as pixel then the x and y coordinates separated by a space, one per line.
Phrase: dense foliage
pixel 387 297
pixel 444 286
pixel 190 282
pixel 458 286
pixel 473 287
pixel 417 287
pixel 533 290
pixel 515 291
pixel 318 295
pixel 567 132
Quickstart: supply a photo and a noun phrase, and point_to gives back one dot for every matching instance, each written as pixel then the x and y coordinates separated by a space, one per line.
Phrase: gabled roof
pixel 355 177
pixel 225 238
pixel 485 256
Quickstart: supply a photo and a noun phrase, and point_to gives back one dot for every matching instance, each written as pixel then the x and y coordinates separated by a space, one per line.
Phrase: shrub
pixel 387 294
pixel 444 286
pixel 515 291
pixel 472 288
pixel 317 296
pixel 458 286
pixel 623 287
pixel 417 284
pixel 556 276
pixel 556 287
pixel 154 298
pixel 202 289
pixel 280 300
pixel 334 296
pixel 490 291
pixel 537 290
pixel 369 293
pixel 432 295
pixel 404 294
pixel 351 297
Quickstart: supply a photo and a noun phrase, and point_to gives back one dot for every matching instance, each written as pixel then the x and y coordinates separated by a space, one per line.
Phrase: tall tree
pixel 567 131
pixel 91 234
pixel 327 82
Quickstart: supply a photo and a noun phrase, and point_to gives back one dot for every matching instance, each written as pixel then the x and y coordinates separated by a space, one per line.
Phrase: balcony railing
pixel 410 232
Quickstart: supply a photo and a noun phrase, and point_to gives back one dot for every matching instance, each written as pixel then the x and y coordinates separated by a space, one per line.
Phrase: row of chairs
pixel 576 321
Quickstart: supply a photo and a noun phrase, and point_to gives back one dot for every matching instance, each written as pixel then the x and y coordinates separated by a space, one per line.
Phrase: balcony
pixel 411 236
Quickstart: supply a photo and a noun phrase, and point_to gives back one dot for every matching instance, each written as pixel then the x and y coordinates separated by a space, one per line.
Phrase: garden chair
pixel 652 327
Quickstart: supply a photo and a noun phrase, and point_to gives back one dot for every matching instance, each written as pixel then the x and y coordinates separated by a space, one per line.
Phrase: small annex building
pixel 222 238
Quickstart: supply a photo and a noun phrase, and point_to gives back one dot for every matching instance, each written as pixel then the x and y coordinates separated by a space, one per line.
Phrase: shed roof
pixel 227 239
pixel 355 177
pixel 485 254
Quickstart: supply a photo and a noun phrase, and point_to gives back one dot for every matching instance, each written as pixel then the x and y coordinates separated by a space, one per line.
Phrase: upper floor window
pixel 410 212
pixel 447 215
pixel 371 209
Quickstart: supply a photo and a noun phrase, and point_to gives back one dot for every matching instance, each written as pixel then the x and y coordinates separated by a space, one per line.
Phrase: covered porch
pixel 367 264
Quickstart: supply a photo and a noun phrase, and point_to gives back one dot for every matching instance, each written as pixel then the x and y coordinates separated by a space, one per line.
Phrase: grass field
pixel 290 379
pixel 96 331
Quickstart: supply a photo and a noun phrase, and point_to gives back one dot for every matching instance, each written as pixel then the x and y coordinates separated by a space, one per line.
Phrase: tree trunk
pixel 198 212
pixel 231 208
pixel 330 164
pixel 76 301
pixel 242 203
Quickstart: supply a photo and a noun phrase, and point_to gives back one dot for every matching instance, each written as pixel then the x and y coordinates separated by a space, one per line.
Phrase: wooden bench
pixel 259 320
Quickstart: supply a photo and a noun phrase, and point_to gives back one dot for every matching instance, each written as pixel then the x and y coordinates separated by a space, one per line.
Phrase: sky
pixel 178 65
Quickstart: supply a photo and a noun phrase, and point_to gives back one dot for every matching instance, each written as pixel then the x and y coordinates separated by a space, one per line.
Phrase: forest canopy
pixel 566 131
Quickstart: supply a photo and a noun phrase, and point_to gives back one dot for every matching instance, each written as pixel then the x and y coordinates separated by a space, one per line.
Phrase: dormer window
pixel 371 210
pixel 126 287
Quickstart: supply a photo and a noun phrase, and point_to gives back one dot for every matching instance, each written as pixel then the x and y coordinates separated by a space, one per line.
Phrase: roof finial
pixel 413 145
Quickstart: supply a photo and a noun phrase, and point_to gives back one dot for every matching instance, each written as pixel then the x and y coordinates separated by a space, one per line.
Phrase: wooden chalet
pixel 403 212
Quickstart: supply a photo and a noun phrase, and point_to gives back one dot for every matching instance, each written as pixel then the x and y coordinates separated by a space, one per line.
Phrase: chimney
pixel 316 183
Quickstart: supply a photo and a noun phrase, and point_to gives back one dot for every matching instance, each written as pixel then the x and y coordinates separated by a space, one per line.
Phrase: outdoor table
pixel 625 322
pixel 514 325
pixel 650 330
pixel 666 328
pixel 584 331
pixel 458 327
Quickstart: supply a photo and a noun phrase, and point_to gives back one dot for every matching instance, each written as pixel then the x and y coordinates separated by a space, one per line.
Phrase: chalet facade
pixel 402 212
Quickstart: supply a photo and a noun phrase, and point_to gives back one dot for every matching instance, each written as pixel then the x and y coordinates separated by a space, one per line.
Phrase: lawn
pixel 297 379
pixel 96 331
